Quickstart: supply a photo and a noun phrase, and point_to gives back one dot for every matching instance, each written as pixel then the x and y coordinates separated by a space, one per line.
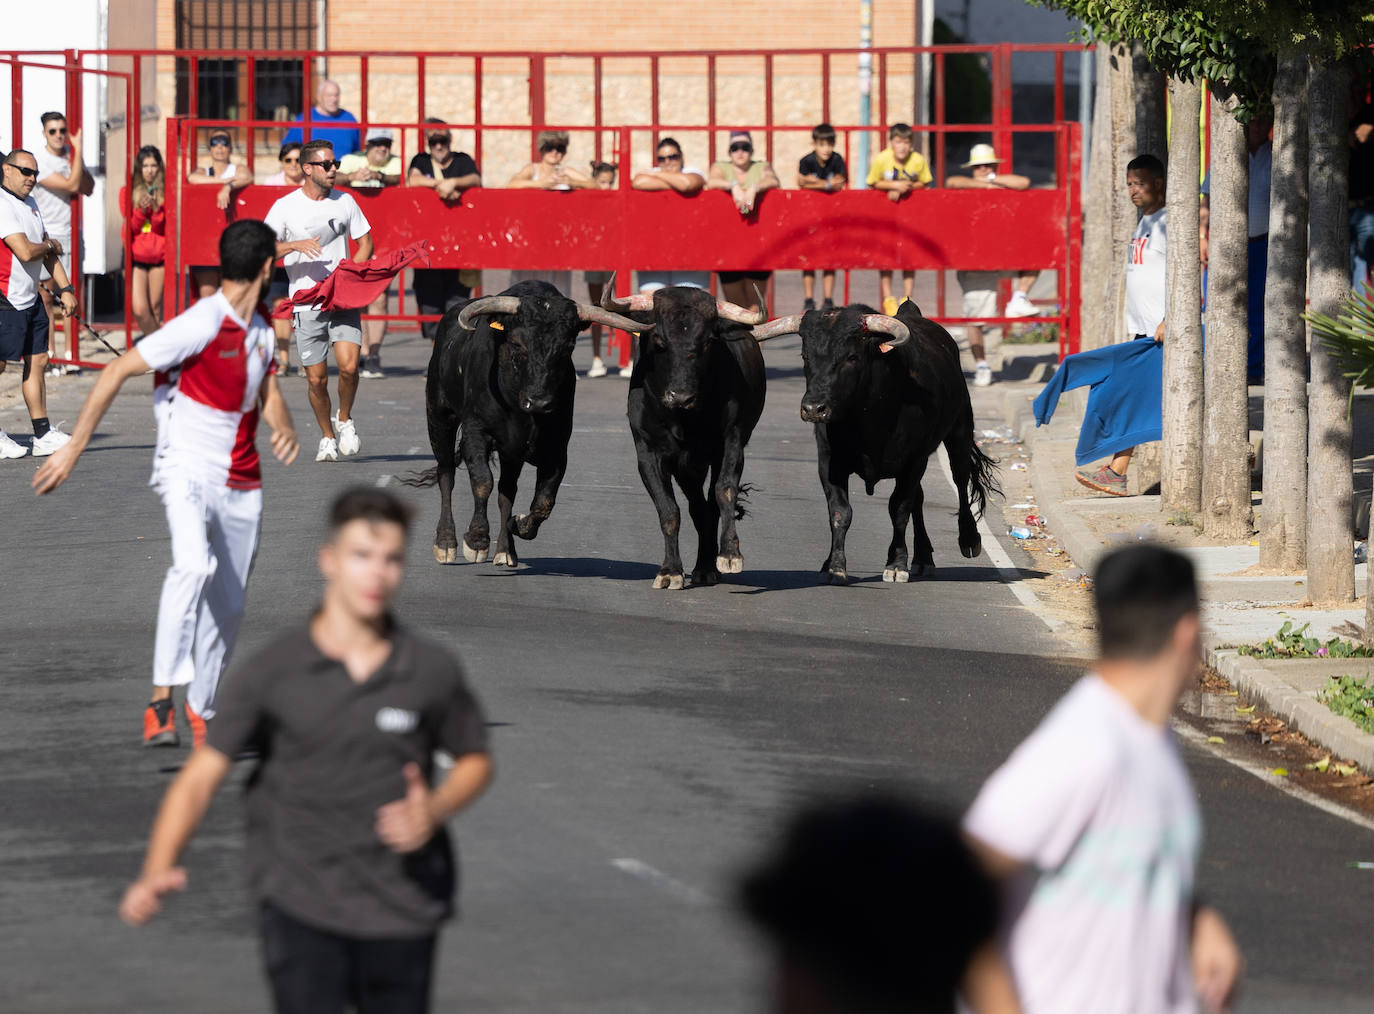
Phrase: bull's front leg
pixel 899 507
pixel 839 514
pixel 548 477
pixel 443 440
pixel 705 515
pixel 728 559
pixel 505 555
pixel 653 472
pixel 476 450
pixel 922 552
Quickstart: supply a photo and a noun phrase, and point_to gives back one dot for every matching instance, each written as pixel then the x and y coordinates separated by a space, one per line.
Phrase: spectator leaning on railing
pixel 223 172
pixel 62 178
pixel 549 173
pixel 824 170
pixel 448 174
pixel 746 178
pixel 898 169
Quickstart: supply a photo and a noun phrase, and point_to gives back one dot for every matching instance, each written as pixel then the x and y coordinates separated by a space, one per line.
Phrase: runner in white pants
pixel 206 468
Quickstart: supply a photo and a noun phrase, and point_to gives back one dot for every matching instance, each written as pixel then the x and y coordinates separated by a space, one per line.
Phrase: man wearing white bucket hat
pixel 980 287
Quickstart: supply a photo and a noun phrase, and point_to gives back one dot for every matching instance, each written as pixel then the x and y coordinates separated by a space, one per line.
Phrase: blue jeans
pixel 1361 244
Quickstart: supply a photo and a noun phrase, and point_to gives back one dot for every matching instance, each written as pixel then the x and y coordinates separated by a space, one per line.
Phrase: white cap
pixel 379 134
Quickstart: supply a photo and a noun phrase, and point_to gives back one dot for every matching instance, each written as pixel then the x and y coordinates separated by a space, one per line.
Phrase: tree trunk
pixel 1124 215
pixel 1330 545
pixel 1099 269
pixel 1226 435
pixel 1180 484
pixel 1283 523
pixel 1150 96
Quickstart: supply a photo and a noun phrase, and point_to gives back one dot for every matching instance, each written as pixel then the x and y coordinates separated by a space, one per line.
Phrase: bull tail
pixel 741 495
pixel 429 477
pixel 982 478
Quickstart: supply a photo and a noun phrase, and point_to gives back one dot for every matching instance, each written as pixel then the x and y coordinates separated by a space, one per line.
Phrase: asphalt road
pixel 648 743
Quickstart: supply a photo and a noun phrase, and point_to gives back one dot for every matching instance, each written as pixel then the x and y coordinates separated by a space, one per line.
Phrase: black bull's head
pixel 837 348
pixel 536 328
pixel 685 322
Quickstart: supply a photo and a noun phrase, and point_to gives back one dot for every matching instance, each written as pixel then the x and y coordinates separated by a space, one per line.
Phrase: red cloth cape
pixel 353 286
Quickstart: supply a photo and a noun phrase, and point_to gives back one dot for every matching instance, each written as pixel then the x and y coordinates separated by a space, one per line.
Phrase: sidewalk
pixel 1240 607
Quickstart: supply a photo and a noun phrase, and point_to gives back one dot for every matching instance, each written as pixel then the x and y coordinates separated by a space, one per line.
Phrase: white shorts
pixel 980 292
pixel 214 533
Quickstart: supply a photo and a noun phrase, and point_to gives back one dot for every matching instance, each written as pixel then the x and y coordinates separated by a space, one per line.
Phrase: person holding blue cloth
pixel 1126 379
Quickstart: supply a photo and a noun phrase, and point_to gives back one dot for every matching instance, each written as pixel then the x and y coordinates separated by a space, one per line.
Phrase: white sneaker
pixel 598 368
pixel 982 375
pixel 1020 306
pixel 11 448
pixel 49 442
pixel 329 451
pixel 627 371
pixel 348 437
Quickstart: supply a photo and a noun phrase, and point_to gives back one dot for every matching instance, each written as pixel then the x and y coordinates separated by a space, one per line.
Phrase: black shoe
pixel 809 304
pixel 829 304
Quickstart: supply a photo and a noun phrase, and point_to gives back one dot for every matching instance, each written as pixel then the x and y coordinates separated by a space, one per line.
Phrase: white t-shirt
pixel 1097 805
pixel 330 221
pixel 19 279
pixel 208 415
pixel 1145 275
pixel 56 209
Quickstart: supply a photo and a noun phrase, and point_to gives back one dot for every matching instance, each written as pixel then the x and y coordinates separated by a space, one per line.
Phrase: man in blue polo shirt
pixel 327 109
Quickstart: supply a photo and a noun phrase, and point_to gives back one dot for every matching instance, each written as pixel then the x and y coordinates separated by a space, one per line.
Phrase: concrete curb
pixel 1258 682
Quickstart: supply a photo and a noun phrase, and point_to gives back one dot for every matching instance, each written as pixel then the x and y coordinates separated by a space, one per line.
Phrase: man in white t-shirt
pixel 62 179
pixel 206 469
pixel 23 322
pixel 313 227
pixel 1145 305
pixel 1092 824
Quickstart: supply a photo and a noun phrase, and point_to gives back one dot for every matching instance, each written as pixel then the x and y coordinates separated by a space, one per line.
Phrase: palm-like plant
pixel 1350 337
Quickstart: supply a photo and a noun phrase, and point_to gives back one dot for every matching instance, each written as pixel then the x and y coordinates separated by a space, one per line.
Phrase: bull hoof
pixel 974 548
pixel 730 564
pixel 834 577
pixel 672 582
pixel 521 526
pixel 924 570
pixel 446 554
pixel 505 560
pixel 897 575
pixel 706 578
pixel 474 555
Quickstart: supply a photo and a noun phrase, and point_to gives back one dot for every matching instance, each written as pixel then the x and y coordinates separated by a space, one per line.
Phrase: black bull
pixel 695 396
pixel 501 374
pixel 883 394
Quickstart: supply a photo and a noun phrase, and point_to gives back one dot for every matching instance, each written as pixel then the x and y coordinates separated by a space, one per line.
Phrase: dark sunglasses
pixel 562 149
pixel 216 141
pixel 741 147
pixel 57 130
pixel 675 157
pixel 24 170
pixel 291 161
pixel 439 142
pixel 332 163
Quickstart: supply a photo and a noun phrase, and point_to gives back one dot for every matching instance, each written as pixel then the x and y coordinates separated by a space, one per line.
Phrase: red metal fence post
pixel 537 114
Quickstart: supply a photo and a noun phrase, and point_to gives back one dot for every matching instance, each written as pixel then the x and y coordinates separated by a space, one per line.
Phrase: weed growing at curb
pixel 1352 697
pixel 1294 643
pixel 1033 334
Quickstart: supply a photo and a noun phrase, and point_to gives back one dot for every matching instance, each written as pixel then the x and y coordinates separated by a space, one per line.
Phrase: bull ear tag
pixel 497 325
pixel 885 348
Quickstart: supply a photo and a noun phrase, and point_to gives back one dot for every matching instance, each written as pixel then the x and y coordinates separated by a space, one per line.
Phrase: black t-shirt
pixel 834 167
pixel 1362 159
pixel 460 165
pixel 333 752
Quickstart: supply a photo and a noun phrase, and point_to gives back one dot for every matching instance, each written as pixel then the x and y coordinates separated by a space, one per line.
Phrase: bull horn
pixel 639 301
pixel 778 326
pixel 487 304
pixel 900 335
pixel 597 315
pixel 738 314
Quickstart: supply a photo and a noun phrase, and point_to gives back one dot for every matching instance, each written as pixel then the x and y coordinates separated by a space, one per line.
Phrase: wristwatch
pixel 66 288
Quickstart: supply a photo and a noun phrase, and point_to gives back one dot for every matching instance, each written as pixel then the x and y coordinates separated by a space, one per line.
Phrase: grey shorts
pixel 316 330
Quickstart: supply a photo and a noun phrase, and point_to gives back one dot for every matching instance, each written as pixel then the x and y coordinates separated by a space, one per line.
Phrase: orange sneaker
pixel 159 724
pixel 197 726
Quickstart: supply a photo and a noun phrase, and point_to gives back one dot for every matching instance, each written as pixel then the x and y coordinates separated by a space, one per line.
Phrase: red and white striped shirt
pixel 210 425
pixel 18 279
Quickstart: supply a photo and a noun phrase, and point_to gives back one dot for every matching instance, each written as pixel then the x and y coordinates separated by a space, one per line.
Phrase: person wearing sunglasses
pixel 745 177
pixel 62 178
pixel 549 173
pixel 448 173
pixel 220 171
pixel 313 225
pixel 23 322
pixel 290 174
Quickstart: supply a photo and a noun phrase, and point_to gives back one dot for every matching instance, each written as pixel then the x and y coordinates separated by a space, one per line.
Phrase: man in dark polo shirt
pixel 349 860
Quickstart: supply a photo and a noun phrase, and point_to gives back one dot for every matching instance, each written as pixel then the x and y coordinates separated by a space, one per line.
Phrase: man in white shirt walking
pixel 1092 824
pixel 23 323
pixel 313 226
pixel 206 469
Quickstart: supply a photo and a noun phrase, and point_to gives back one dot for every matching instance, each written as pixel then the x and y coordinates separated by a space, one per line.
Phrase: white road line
pixel 1011 574
pixel 383 480
pixel 1264 774
pixel 415 450
pixel 684 893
